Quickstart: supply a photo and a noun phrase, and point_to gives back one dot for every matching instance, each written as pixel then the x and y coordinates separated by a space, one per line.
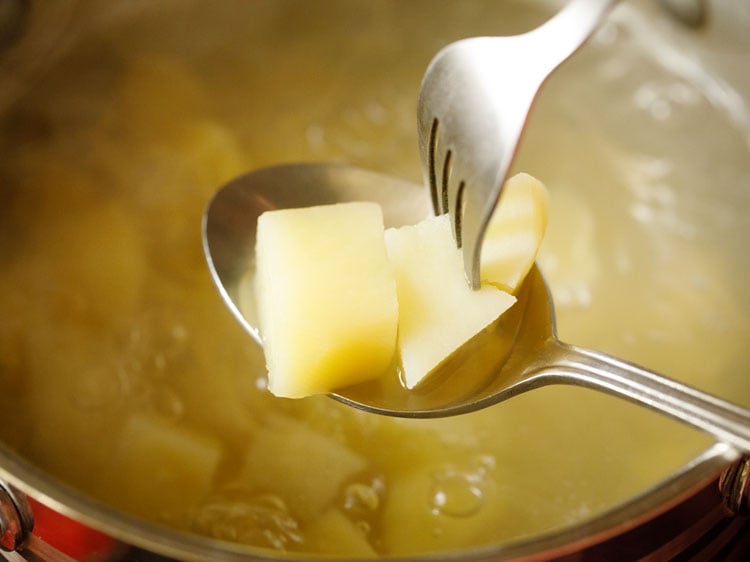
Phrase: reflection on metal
pixel 734 485
pixel 16 519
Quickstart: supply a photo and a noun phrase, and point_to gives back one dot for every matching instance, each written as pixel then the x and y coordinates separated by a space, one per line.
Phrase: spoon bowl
pixel 517 353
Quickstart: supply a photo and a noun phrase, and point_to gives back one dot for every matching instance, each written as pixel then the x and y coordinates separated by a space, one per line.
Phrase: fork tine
pixel 446 196
pixel 439 171
pixel 450 195
pixel 458 214
pixel 445 182
pixel 435 192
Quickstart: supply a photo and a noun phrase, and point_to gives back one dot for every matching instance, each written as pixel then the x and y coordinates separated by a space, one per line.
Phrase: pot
pixel 133 414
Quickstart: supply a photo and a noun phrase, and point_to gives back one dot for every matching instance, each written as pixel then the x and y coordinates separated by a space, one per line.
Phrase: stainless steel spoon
pixel 518 353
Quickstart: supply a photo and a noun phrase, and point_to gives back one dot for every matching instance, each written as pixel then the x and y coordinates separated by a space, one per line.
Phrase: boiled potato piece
pixel 72 394
pixel 515 232
pixel 161 464
pixel 438 311
pixel 306 468
pixel 326 297
pixel 334 533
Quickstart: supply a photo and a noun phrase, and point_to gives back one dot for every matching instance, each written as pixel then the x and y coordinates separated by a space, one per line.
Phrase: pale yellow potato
pixel 515 232
pixel 166 468
pixel 326 297
pixel 72 394
pixel 438 311
pixel 334 533
pixel 304 467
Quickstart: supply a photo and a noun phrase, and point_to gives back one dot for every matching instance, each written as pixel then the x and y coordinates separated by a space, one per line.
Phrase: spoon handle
pixel 725 421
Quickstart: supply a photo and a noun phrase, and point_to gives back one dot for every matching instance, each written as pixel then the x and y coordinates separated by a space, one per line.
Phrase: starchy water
pixel 122 373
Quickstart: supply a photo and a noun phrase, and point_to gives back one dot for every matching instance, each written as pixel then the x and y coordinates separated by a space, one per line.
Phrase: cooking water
pixel 113 333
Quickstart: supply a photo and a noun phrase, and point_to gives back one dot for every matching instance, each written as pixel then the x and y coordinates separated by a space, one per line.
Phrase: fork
pixel 472 109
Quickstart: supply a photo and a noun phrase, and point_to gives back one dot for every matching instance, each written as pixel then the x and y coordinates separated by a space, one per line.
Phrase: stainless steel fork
pixel 473 106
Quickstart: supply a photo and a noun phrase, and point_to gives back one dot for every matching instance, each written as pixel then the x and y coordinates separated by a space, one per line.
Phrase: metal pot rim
pixel 702 471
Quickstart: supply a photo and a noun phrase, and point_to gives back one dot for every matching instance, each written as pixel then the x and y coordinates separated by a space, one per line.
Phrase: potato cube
pixel 326 297
pixel 161 466
pixel 438 311
pixel 334 533
pixel 515 232
pixel 306 468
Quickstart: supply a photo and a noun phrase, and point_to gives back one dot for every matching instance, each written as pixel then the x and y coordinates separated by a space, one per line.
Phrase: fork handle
pixel 571 27
pixel 725 421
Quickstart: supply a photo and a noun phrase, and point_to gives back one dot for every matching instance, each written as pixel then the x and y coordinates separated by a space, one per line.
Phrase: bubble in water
pixel 364 527
pixel 485 463
pixel 458 491
pixel 457 495
pixel 362 501
pixel 361 497
pixel 260 520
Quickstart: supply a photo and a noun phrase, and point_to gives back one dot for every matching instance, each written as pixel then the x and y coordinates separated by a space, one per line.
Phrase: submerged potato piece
pixel 304 467
pixel 515 232
pixel 71 393
pixel 438 311
pixel 166 469
pixel 326 297
pixel 334 533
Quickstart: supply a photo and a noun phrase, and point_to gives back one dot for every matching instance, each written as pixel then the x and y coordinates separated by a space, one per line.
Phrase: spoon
pixel 518 353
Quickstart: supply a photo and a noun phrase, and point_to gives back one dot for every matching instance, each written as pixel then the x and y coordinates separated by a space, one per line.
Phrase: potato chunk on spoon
pixel 519 353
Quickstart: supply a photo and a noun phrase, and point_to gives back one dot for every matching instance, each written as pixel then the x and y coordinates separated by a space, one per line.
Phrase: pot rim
pixel 659 498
